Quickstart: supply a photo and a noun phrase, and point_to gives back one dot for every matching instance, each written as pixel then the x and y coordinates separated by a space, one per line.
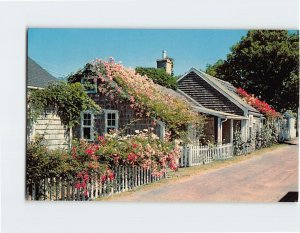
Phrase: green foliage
pixel 266 64
pixel 291 113
pixel 212 69
pixel 267 136
pixel 239 144
pixel 158 76
pixel 44 163
pixel 69 100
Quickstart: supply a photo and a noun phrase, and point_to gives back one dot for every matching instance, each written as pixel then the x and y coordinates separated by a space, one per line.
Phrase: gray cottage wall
pixel 49 125
pixel 128 121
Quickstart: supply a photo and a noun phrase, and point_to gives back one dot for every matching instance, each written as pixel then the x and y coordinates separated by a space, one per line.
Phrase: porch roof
pixel 219 113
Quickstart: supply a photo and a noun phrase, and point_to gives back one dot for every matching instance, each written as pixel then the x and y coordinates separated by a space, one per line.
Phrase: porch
pixel 220 127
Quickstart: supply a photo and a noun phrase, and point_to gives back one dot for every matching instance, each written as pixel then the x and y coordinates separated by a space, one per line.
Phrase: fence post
pixel 100 186
pixel 139 175
pixel 190 156
pixel 181 156
pixel 62 189
pixel 185 156
pixel 123 180
pixel 68 190
pixel 73 191
pixel 96 187
pixel 126 178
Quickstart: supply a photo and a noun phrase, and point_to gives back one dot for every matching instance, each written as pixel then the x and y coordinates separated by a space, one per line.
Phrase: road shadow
pixel 290 143
pixel 290 197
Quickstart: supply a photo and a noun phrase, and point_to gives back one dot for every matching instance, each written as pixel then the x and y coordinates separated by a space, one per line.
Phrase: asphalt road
pixel 265 178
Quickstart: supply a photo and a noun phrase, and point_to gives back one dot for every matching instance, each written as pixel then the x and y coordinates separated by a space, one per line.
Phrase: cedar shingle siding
pixel 206 95
pixel 128 121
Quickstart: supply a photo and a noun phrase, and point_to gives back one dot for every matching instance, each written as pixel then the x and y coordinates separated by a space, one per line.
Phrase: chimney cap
pixel 164 54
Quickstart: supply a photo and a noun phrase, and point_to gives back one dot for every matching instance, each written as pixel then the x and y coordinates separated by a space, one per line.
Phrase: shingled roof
pixel 37 77
pixel 196 106
pixel 213 93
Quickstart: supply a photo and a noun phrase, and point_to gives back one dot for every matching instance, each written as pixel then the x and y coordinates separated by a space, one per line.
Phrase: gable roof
pixel 223 87
pixel 37 77
pixel 196 106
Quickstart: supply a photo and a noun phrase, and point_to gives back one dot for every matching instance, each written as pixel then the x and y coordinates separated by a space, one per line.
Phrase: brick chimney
pixel 165 63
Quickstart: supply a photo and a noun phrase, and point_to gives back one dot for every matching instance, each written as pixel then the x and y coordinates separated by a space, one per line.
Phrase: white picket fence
pixel 192 155
pixel 126 178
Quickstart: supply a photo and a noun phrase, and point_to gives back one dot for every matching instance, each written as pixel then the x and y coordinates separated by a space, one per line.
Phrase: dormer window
pixel 90 84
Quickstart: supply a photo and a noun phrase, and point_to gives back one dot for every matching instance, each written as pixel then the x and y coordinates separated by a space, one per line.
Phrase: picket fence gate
pixel 192 155
pixel 126 178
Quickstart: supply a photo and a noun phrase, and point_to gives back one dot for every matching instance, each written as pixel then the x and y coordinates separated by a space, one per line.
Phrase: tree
pixel 158 76
pixel 212 69
pixel 266 64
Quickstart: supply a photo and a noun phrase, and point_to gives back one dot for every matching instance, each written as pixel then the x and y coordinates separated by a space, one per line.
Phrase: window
pixel 90 84
pixel 87 124
pixel 111 120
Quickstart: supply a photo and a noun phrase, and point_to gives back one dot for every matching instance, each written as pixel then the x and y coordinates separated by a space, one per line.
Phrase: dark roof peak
pixel 37 76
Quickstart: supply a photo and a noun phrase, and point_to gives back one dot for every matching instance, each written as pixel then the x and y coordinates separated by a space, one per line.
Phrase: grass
pixel 187 172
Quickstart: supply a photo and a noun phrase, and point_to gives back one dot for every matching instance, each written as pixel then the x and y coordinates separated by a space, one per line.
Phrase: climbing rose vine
pixel 124 85
pixel 262 106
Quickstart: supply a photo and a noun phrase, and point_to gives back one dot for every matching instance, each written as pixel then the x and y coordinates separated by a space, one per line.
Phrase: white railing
pixel 196 155
pixel 55 189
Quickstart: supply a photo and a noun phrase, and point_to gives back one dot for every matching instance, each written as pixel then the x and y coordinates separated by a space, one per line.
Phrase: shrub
pixel 99 159
pixel 267 136
pixel 238 143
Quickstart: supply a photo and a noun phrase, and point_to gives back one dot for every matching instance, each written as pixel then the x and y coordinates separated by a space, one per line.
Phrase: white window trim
pixel 106 111
pixel 94 91
pixel 91 126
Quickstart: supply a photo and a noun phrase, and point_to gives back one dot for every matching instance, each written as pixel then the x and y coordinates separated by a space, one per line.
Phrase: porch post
pixel 231 131
pixel 244 129
pixel 219 131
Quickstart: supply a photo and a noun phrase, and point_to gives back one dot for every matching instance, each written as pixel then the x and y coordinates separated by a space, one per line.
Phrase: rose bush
pixel 262 106
pixel 99 159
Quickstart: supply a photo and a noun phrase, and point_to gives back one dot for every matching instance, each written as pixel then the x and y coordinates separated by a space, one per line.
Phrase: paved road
pixel 265 178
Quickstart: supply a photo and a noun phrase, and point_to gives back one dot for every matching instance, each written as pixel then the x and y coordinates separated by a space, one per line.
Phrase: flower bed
pixel 100 159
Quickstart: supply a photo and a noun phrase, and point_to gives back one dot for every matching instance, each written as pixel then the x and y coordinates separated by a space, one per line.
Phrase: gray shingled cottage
pixel 225 110
pixel 49 124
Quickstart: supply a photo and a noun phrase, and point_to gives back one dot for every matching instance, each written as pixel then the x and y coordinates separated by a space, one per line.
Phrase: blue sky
pixel 62 51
